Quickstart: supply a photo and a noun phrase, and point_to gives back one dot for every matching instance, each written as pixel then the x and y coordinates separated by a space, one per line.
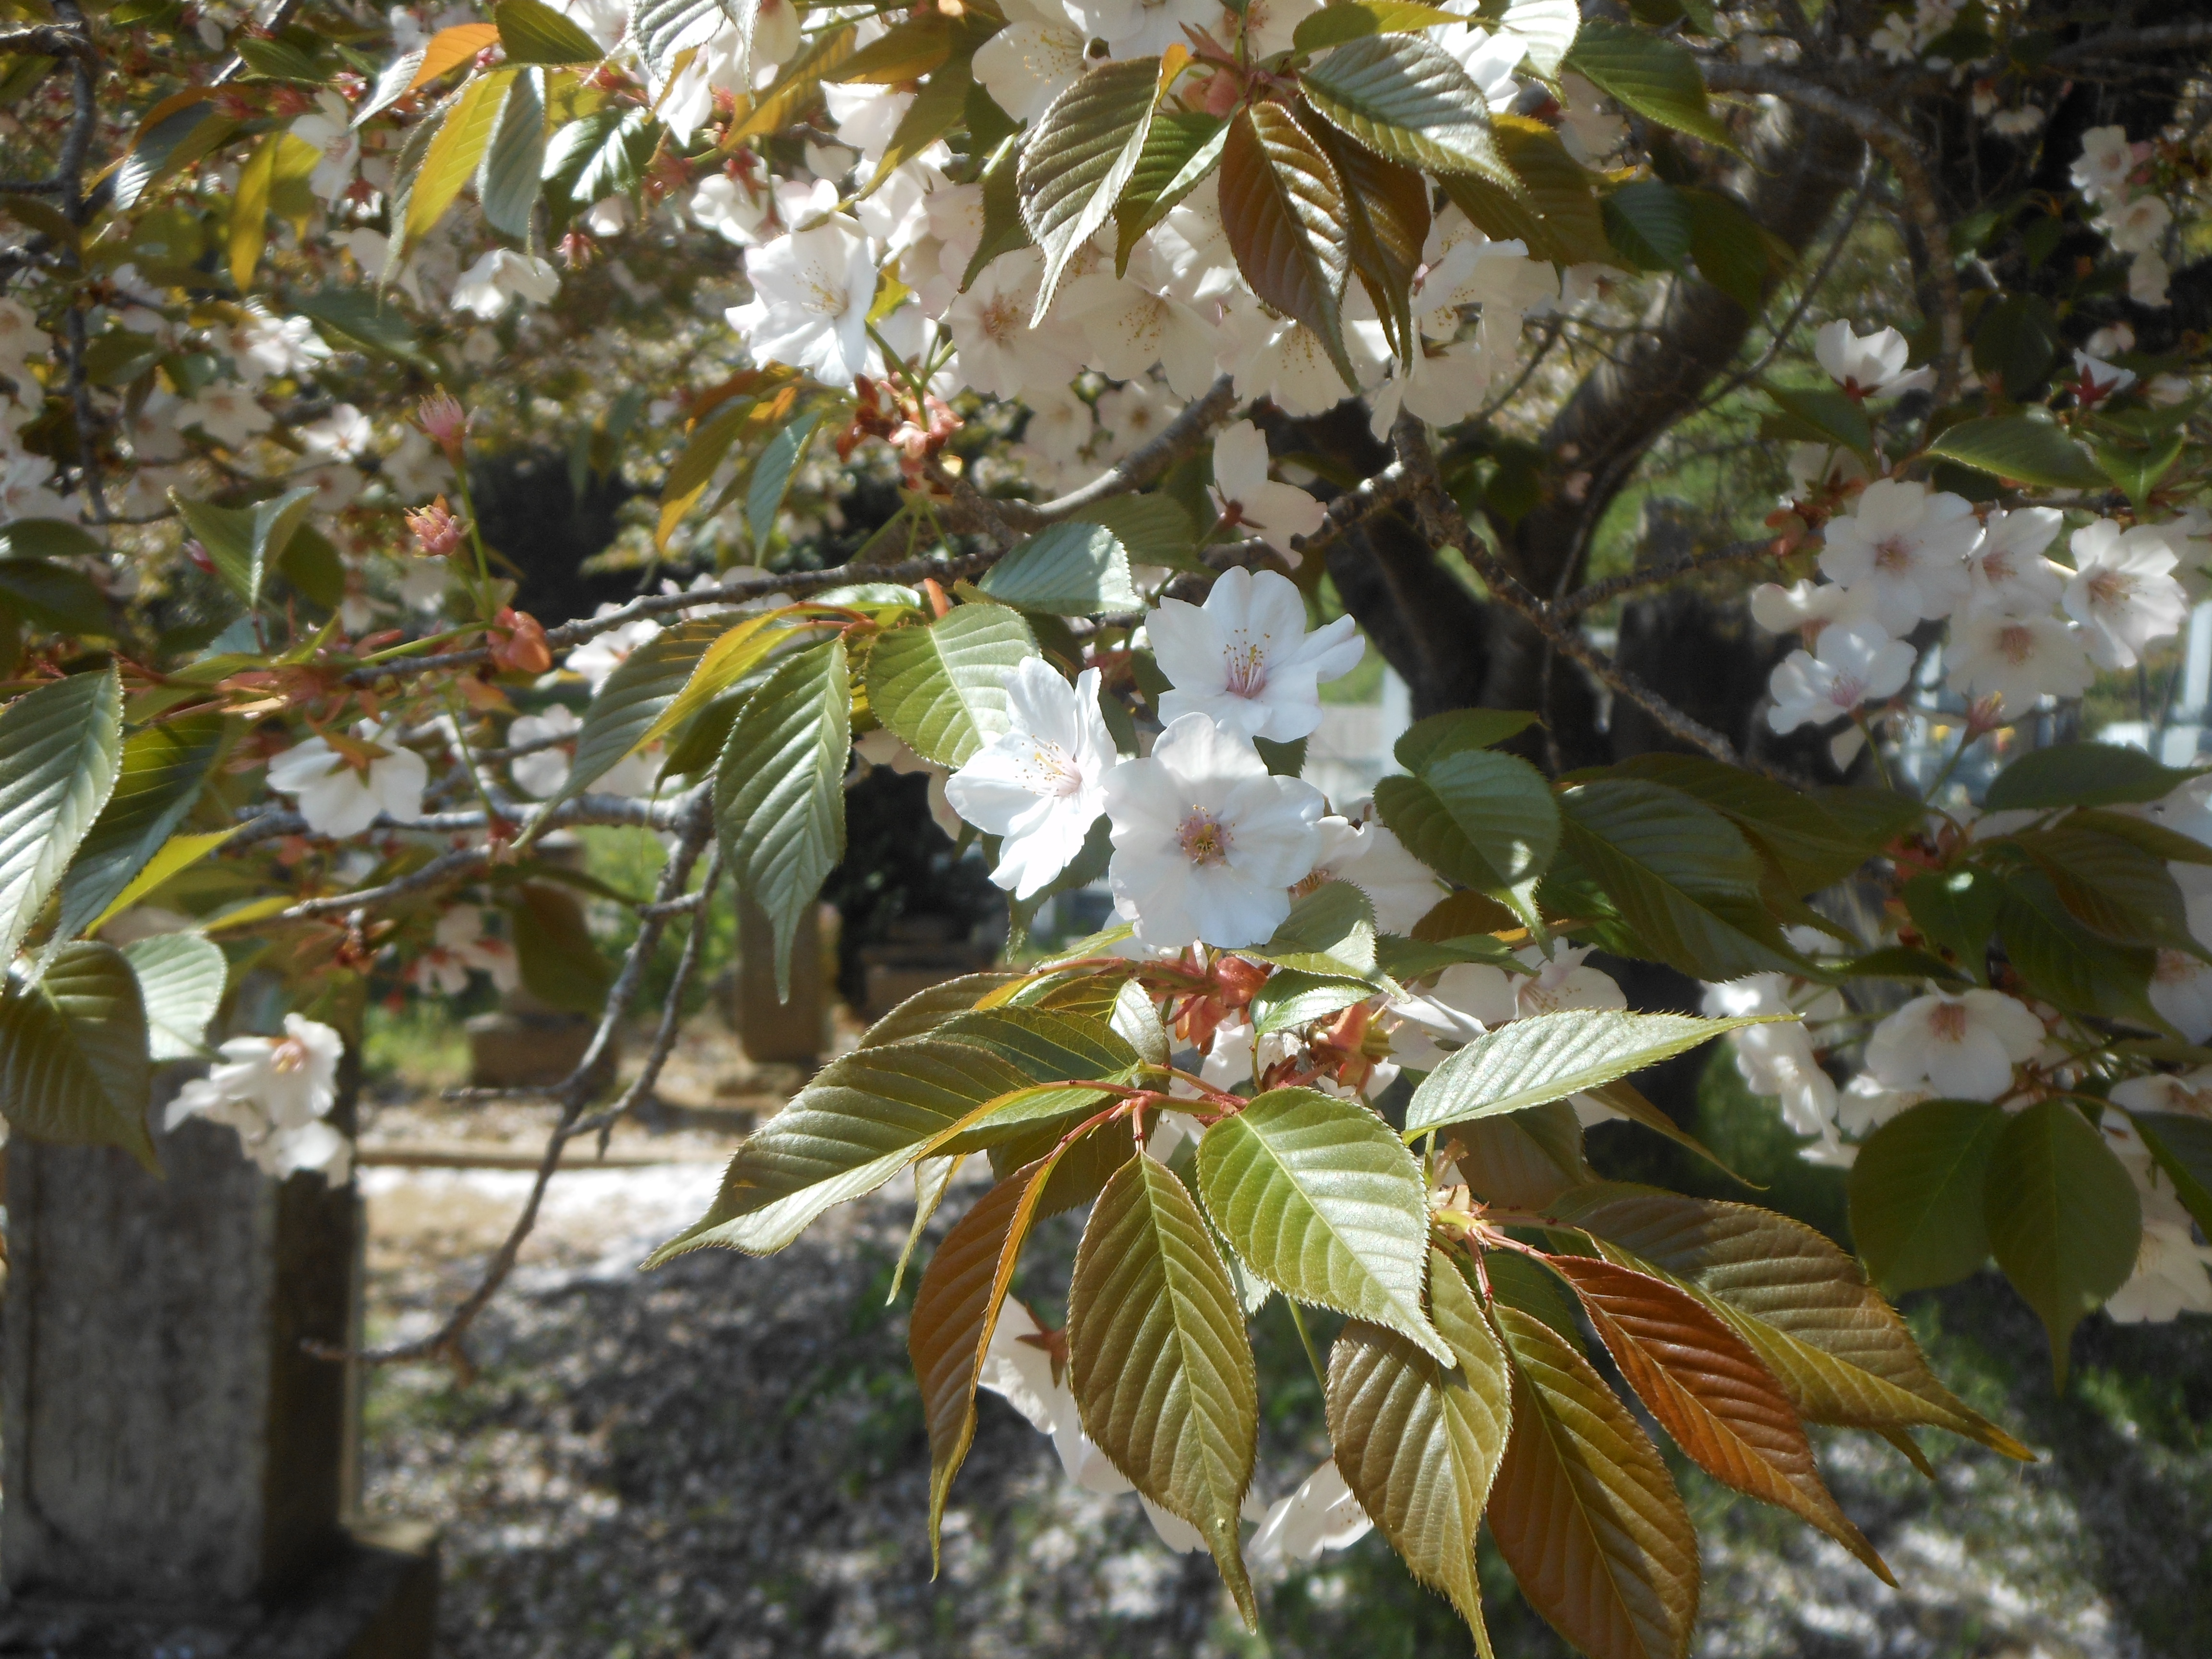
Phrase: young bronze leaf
pixel 1839 1351
pixel 1709 1390
pixel 1282 205
pixel 1320 1199
pixel 1418 1444
pixel 954 1313
pixel 1160 1362
pixel 1083 151
pixel 1585 1512
pixel 1387 213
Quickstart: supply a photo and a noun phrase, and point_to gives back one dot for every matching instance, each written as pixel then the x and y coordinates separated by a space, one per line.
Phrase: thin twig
pixel 671 1014
pixel 1655 575
pixel 1386 489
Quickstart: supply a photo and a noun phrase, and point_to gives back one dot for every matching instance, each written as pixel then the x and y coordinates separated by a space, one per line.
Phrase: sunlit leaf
pixel 942 687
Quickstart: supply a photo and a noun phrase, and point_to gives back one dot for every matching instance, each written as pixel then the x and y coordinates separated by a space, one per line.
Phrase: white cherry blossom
pixel 601 655
pixel 2006 570
pixel 1142 28
pixel 1808 607
pixel 1038 785
pixel 2018 659
pixel 1400 886
pixel 1909 545
pixel 1129 328
pixel 2106 159
pixel 1963 1047
pixel 230 414
pixel 1850 666
pixel 1251 500
pixel 1000 354
pixel 2139 226
pixel 1321 1515
pixel 1027 64
pixel 458 943
pixel 329 128
pixel 1244 658
pixel 501 277
pixel 2181 995
pixel 1869 365
pixel 277 1093
pixel 339 798
pixel 811 293
pixel 1207 843
pixel 2123 592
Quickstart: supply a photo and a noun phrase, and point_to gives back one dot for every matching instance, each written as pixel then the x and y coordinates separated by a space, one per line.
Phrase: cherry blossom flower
pixel 276 1092
pixel 1028 63
pixel 343 434
pixel 1245 659
pixel 2098 380
pixel 811 293
pixel 2006 570
pixel 458 943
pixel 1142 28
pixel 25 489
pixel 2123 591
pixel 1909 545
pixel 330 129
pixel 2138 227
pixel 1130 328
pixel 1964 1047
pixel 1402 889
pixel 1039 785
pixel 1851 665
pixel 437 529
pixel 501 277
pixel 1000 354
pixel 1207 843
pixel 1778 1058
pixel 260 347
pixel 1809 607
pixel 601 655
pixel 21 338
pixel 1814 468
pixel 1869 365
pixel 2172 1274
pixel 1268 25
pixel 2181 995
pixel 228 414
pixel 1321 1515
pixel 1589 127
pixel 339 796
pixel 2016 658
pixel 1249 499
pixel 2108 158
pixel 2148 276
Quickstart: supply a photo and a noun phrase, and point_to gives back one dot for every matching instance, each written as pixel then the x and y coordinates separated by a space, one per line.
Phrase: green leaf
pixel 864 1118
pixel 1812 846
pixel 359 319
pixel 1732 253
pixel 1547 1057
pixel 1159 1360
pixel 1290 999
pixel 795 85
pixel 1916 1192
pixel 630 703
pixel 1152 529
pixel 53 597
pixel 1282 206
pixel 939 106
pixel 1584 1511
pixel 1349 20
pixel 181 978
pixel 2183 1146
pixel 1329 931
pixel 48 539
pixel 1081 153
pixel 2016 341
pixel 247 543
pixel 1320 1199
pixel 2022 449
pixel 1657 78
pixel 1958 910
pixel 177 853
pixel 1439 735
pixel 2139 469
pixel 553 950
pixel 771 479
pixel 1386 215
pixel 2109 885
pixel 779 790
pixel 1705 1387
pixel 1681 875
pixel 1003 230
pixel 1821 414
pixel 533 33
pixel 2064 1221
pixel 507 178
pixel 1524 1161
pixel 943 687
pixel 905 52
pixel 1180 148
pixel 73 1066
pixel 1074 569
pixel 662 28
pixel 1405 98
pixel 60 751
pixel 1507 822
pixel 1839 1351
pixel 926 1010
pixel 1419 1442
pixel 1557 213
pixel 2082 774
pixel 451 159
pixel 1648 221
pixel 2066 963
pixel 161 772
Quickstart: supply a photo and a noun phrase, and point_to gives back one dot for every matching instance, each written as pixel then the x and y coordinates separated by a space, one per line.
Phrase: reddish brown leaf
pixel 1584 1510
pixel 1386 216
pixel 1282 205
pixel 1709 1391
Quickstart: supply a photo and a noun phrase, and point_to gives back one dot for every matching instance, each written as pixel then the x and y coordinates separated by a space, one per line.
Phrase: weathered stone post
pixel 177 1466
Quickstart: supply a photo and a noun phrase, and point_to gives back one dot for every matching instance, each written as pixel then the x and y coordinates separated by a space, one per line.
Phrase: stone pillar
pixel 174 1460
pixel 795 1032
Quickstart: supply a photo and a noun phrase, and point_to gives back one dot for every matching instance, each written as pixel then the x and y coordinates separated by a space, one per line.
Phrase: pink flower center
pixel 2110 588
pixel 1893 554
pixel 1848 692
pixel 1248 670
pixel 1947 1023
pixel 2016 644
pixel 1205 839
pixel 290 1054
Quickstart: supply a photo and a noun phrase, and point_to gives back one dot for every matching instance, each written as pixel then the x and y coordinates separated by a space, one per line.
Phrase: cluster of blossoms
pixel 2114 175
pixel 278 1093
pixel 1899 555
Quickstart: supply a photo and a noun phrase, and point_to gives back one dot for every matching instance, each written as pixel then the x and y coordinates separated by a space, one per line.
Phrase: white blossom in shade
pixel 2101 379
pixel 1000 354
pixel 25 489
pixel 262 346
pixel 1244 657
pixel 458 943
pixel 2016 123
pixel 1129 328
pixel 329 128
pixel 343 434
pixel 2019 659
pixel 2148 276
pixel 1060 423
pixel 868 117
pixel 1018 1368
pixel 2137 227
pixel 1142 28
pixel 1778 1059
pixel 1867 1102
pixel 1251 500
pixel 541 774
pixel 1400 886
pixel 1560 981
pixel 2006 570
pixel 1850 666
pixel 2181 995
pixel 2187 1094
pixel 422 583
pixel 1134 413
pixel 2173 1275
pixel 1039 785
pixel 335 487
pixel 601 655
pixel 1962 1047
pixel 228 414
pixel 340 799
pixel 1815 467
pixel 2108 158
pixel 1589 127
pixel 1868 365
pixel 1321 1515
pixel 276 1092
pixel 1809 607
pixel 1027 64
pixel 732 210
pixel 1268 24
pixel 811 293
pixel 2123 592
pixel 1207 843
pixel 1909 545
pixel 501 277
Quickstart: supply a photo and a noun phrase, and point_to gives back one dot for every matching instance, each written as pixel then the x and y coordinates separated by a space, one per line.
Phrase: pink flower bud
pixel 438 531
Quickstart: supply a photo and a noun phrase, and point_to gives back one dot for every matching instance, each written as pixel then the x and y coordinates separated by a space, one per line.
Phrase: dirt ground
pixel 726 1458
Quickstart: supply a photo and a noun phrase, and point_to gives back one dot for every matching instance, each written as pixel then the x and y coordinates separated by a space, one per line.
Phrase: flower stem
pixel 1313 1354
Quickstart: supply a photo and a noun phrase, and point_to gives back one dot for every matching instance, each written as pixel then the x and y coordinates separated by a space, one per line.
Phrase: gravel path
pixel 726 1458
